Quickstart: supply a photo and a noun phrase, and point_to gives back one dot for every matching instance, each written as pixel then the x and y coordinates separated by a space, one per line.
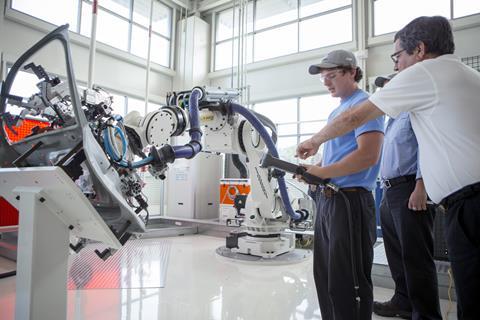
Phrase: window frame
pixel 459 23
pixel 350 45
pixel 79 39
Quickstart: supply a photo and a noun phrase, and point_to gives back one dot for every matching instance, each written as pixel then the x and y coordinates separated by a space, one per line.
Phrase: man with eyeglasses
pixel 442 96
pixel 344 237
pixel 407 224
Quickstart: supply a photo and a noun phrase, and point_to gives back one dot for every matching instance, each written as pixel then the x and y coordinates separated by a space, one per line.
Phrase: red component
pixel 8 214
pixel 24 129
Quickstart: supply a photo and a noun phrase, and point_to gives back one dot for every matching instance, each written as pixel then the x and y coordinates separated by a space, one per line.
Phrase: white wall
pixel 124 73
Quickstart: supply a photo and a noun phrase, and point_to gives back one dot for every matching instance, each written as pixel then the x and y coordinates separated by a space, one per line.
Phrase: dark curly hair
pixel 435 32
pixel 358 74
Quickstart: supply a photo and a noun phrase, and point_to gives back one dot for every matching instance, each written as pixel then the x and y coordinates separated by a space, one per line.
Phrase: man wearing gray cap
pixel 345 227
pixel 407 224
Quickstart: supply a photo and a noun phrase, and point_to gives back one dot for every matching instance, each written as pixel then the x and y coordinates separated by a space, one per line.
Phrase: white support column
pixel 42 260
pixel 362 35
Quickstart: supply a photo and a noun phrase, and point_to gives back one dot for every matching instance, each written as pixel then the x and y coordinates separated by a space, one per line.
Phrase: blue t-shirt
pixel 336 149
pixel 400 149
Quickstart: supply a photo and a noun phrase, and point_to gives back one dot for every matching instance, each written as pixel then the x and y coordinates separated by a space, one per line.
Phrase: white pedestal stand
pixel 50 207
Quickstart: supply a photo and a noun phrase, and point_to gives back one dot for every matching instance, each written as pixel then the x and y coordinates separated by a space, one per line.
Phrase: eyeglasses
pixel 329 76
pixel 396 55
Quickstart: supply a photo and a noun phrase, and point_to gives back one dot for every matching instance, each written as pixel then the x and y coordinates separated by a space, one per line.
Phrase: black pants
pixel 462 228
pixel 332 266
pixel 408 240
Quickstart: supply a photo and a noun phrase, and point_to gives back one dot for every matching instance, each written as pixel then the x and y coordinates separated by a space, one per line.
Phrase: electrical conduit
pixel 189 150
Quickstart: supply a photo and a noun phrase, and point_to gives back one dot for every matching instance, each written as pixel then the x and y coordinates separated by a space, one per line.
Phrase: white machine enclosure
pixel 192 187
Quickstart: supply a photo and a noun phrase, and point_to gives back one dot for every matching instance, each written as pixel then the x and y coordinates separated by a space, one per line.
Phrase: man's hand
pixel 315 170
pixel 299 177
pixel 307 148
pixel 418 198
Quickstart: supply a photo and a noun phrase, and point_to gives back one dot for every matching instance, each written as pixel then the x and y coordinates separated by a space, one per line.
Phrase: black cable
pixel 240 166
pixel 352 253
pixel 8 274
pixel 268 123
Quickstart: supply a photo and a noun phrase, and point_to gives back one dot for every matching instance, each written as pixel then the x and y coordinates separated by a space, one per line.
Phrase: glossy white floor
pixel 201 285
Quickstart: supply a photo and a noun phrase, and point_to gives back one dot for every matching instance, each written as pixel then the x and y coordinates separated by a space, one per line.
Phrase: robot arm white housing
pixel 231 128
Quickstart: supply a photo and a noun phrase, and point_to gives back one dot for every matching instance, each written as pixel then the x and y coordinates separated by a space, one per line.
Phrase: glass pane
pixel 153 106
pixel 315 158
pixel 161 19
pixel 389 16
pixel 286 148
pixel 112 30
pixel 141 12
pixel 311 7
pixel 340 21
pixel 139 42
pixel 160 51
pixel 311 127
pixel 25 84
pixel 224 25
pixel 136 105
pixel 286 129
pixel 317 107
pixel 120 7
pixel 276 42
pixel 223 53
pixel 118 104
pixel 274 12
pixel 226 22
pixel 86 22
pixel 48 10
pixel 463 8
pixel 281 111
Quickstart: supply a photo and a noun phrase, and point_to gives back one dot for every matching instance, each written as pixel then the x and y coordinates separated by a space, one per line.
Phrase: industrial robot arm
pixel 230 128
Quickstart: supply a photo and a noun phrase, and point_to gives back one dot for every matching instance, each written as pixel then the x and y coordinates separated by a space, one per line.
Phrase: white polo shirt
pixel 443 98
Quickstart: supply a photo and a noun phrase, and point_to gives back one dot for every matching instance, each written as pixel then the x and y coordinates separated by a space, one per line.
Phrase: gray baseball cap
pixel 380 80
pixel 334 59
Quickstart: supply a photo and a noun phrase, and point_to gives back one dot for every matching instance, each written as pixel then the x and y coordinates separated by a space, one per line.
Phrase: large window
pixel 297 119
pixel 390 15
pixel 122 24
pixel 276 28
pixel 48 10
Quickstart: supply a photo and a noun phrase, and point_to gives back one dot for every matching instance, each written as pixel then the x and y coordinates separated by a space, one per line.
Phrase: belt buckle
pixel 327 192
pixel 387 184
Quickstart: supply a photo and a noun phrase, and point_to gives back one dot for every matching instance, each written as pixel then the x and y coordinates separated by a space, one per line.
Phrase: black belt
pixel 388 183
pixel 461 194
pixel 328 192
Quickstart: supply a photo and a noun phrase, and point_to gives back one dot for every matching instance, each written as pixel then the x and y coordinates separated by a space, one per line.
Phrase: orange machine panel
pixel 229 188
